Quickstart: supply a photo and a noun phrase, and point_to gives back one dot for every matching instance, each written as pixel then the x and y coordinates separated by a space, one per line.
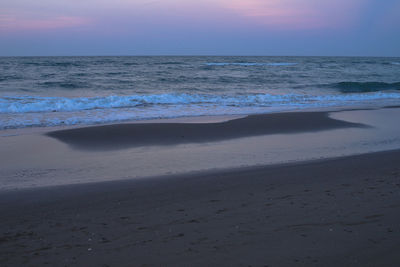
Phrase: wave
pixel 28 111
pixel 171 63
pixel 49 63
pixel 250 64
pixel 365 87
pixel 10 77
pixel 395 63
pixel 65 84
pixel 131 64
pixel 30 104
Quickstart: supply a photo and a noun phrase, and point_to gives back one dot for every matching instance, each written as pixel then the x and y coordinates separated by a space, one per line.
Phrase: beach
pixel 313 188
pixel 259 133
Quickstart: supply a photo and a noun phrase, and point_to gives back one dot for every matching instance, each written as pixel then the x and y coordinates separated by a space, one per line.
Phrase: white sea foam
pixel 250 64
pixel 30 104
pixel 28 111
pixel 281 64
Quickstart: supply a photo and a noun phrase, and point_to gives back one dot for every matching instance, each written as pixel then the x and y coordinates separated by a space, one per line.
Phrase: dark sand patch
pixel 119 136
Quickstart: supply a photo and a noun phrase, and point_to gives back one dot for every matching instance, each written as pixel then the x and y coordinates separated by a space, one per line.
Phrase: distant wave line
pixel 250 64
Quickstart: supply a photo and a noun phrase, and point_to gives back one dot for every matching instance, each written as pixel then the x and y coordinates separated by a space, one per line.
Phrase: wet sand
pixel 130 135
pixel 338 212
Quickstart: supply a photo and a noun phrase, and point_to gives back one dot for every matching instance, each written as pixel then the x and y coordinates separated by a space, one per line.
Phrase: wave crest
pixel 30 104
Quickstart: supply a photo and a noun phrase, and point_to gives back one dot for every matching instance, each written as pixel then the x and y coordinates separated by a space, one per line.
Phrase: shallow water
pixel 50 91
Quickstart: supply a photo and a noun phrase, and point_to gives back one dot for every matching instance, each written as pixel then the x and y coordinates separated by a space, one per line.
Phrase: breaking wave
pixel 28 104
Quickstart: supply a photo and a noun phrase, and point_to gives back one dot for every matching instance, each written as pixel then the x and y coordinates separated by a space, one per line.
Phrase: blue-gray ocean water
pixel 49 91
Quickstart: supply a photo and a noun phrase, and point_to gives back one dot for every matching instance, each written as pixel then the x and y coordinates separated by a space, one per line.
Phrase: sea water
pixel 52 91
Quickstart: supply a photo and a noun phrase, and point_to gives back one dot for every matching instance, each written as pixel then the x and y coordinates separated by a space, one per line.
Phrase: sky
pixel 200 27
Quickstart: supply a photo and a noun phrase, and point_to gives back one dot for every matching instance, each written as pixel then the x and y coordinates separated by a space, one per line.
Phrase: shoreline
pixel 140 151
pixel 191 119
pixel 333 212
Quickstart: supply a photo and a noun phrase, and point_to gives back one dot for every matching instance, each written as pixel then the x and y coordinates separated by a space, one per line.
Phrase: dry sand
pixel 339 212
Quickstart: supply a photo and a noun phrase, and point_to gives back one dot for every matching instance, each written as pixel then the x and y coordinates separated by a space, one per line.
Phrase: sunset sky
pixel 200 27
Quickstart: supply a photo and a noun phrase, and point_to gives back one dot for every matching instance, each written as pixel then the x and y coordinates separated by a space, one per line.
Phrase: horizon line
pixel 200 55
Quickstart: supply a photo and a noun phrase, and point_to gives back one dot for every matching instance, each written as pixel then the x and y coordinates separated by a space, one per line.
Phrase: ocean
pixel 54 91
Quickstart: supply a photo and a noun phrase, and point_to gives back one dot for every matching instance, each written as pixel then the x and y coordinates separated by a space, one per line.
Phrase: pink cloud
pixel 295 14
pixel 9 23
